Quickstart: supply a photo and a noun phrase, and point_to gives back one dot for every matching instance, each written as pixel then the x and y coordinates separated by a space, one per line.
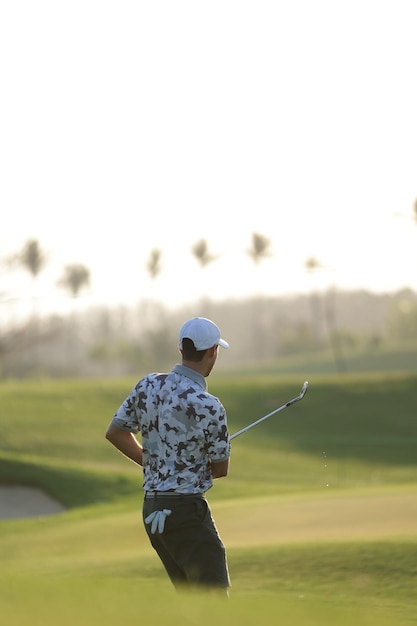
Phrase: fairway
pixel 309 534
pixel 362 516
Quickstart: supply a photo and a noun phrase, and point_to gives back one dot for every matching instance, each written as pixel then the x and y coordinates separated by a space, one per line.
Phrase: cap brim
pixel 223 343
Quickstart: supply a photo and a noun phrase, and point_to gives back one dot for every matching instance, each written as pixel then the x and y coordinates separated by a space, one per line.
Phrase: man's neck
pixel 198 367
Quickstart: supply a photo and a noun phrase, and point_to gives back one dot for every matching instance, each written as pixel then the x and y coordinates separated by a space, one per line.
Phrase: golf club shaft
pixel 281 408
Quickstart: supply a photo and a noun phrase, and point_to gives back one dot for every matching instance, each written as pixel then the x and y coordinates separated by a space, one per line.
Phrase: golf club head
pixel 304 389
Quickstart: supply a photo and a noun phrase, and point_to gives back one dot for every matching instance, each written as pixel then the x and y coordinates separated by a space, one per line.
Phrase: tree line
pixel 37 345
pixel 77 276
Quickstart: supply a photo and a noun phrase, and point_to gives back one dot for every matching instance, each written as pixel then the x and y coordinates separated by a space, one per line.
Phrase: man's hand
pixel 220 469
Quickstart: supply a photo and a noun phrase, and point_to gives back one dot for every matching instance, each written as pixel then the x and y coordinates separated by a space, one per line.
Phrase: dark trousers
pixel 189 546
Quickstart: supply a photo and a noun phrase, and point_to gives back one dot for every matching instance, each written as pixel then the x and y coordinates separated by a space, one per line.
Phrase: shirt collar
pixel 183 370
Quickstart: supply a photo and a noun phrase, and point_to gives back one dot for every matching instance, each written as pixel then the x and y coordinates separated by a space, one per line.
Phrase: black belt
pixel 149 495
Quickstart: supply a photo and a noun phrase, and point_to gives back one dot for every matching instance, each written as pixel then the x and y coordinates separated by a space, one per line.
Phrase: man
pixel 185 445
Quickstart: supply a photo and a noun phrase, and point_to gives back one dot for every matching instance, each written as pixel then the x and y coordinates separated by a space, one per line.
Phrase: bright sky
pixel 129 125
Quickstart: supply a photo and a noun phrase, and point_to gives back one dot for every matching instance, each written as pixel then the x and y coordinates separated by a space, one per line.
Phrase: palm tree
pixel 153 266
pixel 259 251
pixel 333 331
pixel 75 278
pixel 201 252
pixel 154 263
pixel 312 264
pixel 32 257
pixel 260 248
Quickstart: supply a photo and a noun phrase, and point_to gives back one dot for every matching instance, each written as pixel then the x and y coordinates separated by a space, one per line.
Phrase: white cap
pixel 203 332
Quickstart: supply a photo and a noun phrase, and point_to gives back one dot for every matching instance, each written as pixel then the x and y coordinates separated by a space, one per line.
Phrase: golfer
pixel 185 445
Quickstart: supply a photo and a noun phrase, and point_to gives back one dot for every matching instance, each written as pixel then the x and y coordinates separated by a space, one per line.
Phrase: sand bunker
pixel 18 502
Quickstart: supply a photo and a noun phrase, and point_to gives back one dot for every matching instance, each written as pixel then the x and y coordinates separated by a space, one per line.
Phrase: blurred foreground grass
pixel 94 601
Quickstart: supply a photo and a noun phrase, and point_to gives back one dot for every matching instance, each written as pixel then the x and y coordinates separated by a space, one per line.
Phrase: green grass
pixel 399 358
pixel 110 601
pixel 318 512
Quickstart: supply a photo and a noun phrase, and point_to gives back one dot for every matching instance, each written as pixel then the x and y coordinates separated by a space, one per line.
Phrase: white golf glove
pixel 158 520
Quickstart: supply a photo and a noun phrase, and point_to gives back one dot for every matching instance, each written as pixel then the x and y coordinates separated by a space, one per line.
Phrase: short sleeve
pixel 126 417
pixel 218 436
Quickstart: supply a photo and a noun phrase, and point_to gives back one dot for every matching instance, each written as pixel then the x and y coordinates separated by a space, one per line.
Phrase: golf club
pixel 284 406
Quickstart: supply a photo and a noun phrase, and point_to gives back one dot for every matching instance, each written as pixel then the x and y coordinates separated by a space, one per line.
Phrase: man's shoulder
pixel 150 381
pixel 152 377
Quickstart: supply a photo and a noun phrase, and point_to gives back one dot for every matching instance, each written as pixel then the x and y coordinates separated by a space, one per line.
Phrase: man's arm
pixel 125 442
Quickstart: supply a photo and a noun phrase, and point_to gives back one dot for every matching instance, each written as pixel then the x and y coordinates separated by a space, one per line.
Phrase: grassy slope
pixel 350 431
pixel 318 511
